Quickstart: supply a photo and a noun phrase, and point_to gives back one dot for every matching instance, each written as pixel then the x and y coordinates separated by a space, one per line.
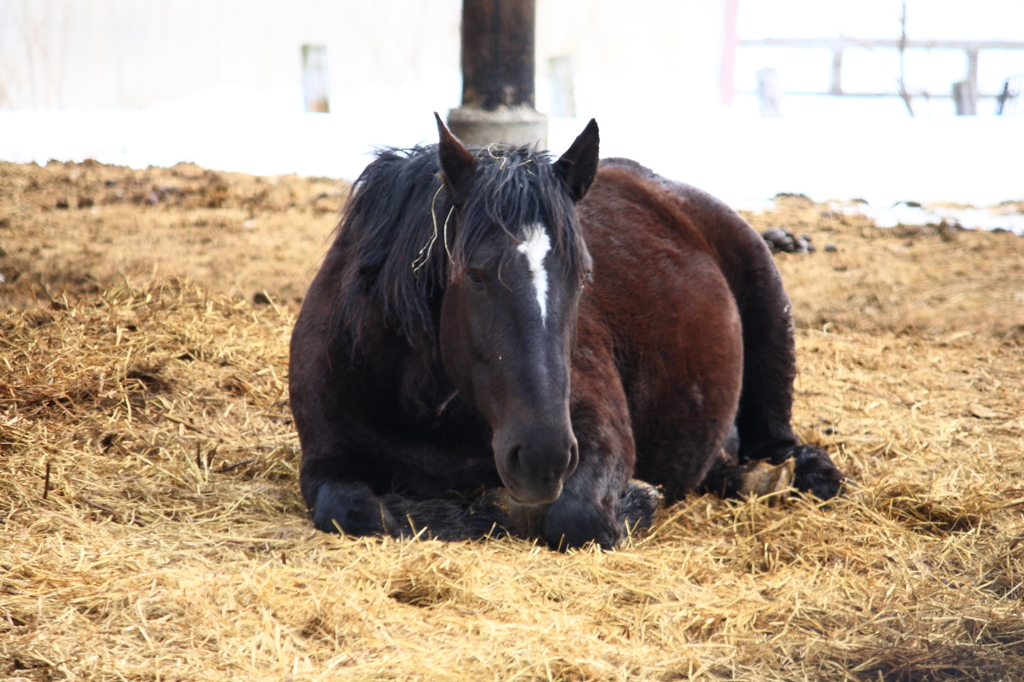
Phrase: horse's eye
pixel 587 277
pixel 474 276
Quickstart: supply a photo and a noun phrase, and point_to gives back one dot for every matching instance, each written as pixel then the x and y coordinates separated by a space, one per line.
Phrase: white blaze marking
pixel 535 247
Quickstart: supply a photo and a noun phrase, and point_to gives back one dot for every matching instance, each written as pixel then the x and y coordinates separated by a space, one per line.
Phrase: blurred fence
pixel 128 54
pixel 117 54
pixel 592 55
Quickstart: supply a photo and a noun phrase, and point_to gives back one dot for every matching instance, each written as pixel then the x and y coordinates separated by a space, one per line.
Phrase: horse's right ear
pixel 458 166
pixel 578 166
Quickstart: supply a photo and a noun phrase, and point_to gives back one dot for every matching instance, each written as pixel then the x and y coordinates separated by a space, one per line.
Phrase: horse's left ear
pixel 458 166
pixel 578 166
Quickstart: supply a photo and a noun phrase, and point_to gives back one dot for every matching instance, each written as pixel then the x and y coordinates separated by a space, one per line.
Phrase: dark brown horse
pixel 494 318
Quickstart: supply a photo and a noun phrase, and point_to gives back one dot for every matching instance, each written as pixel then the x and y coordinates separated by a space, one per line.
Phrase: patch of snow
pixel 969 218
pixel 739 158
pixel 757 206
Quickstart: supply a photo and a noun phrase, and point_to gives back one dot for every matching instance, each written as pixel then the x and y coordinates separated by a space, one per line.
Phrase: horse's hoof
pixel 816 473
pixel 519 520
pixel 761 479
pixel 351 509
pixel 570 524
pixel 639 504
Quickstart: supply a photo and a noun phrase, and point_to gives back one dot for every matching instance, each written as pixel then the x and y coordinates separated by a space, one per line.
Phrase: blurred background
pixel 745 98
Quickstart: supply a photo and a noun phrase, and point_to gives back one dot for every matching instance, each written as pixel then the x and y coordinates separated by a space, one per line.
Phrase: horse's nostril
pixel 574 458
pixel 542 464
pixel 515 459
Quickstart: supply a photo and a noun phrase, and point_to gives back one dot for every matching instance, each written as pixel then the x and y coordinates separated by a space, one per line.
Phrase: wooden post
pixel 904 92
pixel 498 75
pixel 966 105
pixel 497 53
pixel 965 92
pixel 316 85
pixel 770 92
pixel 836 88
pixel 972 81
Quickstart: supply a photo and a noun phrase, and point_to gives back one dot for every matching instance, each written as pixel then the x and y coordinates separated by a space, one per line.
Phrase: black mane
pixel 392 236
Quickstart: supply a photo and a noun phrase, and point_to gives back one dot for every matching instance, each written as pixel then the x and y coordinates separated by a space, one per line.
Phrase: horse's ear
pixel 578 166
pixel 458 166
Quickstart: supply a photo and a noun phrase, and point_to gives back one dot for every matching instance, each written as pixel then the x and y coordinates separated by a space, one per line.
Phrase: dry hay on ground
pixel 152 527
pixel 77 228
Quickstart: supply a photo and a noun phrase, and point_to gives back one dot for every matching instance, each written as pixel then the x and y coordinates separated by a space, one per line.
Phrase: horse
pixel 503 342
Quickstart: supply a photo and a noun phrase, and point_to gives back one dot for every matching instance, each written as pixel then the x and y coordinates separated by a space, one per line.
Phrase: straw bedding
pixel 152 527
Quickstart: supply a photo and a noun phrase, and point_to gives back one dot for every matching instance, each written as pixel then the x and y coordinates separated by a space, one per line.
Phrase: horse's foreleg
pixel 353 509
pixel 634 512
pixel 591 503
pixel 580 516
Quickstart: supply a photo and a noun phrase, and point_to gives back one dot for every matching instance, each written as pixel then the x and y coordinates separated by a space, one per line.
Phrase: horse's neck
pixel 426 392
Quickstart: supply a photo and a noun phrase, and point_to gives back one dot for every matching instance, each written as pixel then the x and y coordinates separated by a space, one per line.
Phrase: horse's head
pixel 508 319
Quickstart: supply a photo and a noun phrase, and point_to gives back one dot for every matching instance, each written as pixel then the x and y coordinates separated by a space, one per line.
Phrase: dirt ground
pixel 152 527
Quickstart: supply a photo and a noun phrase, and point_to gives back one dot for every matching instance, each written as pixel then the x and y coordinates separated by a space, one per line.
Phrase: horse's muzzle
pixel 534 468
